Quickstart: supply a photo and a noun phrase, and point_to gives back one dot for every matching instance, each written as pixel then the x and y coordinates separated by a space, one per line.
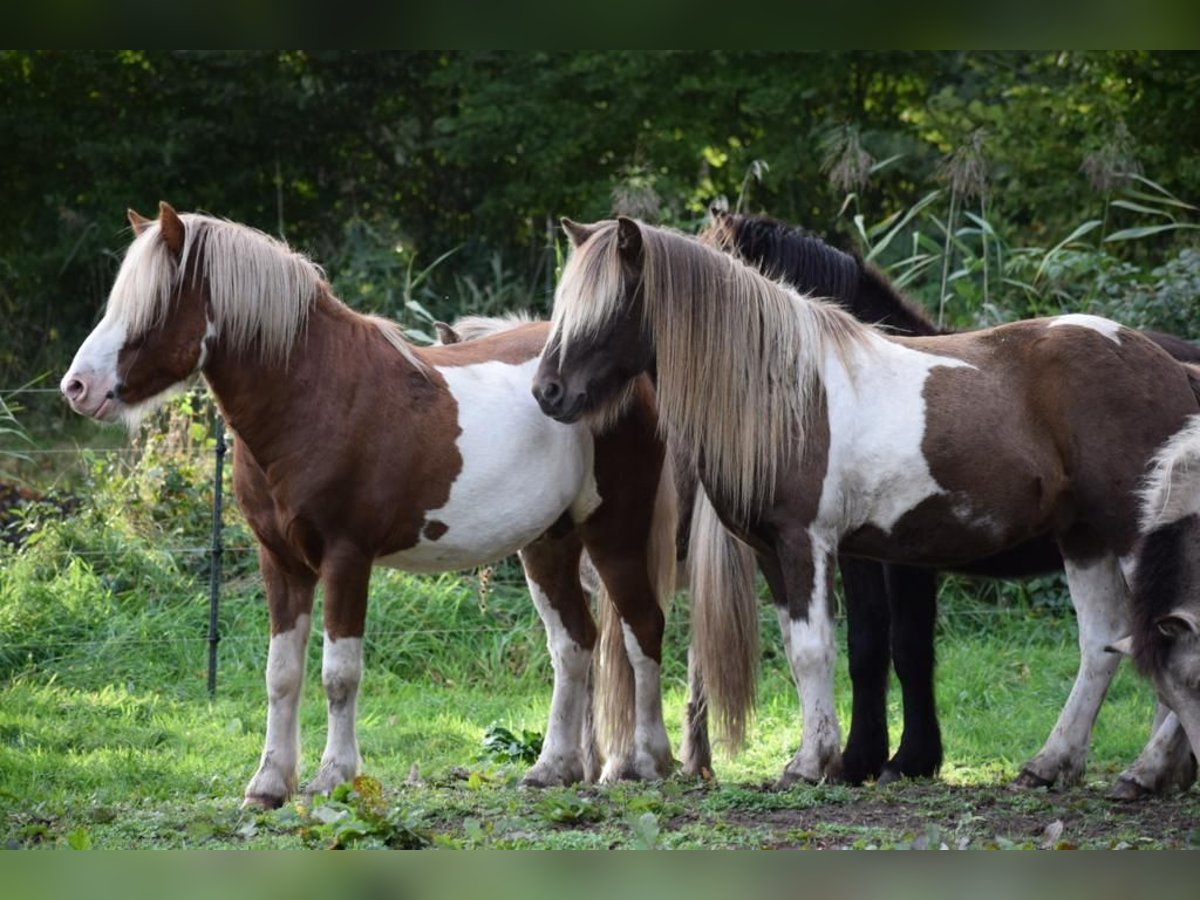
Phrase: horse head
pixel 154 332
pixel 599 343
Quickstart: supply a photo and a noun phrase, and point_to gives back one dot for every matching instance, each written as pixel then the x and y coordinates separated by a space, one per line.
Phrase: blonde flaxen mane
pixel 1172 487
pixel 260 290
pixel 739 356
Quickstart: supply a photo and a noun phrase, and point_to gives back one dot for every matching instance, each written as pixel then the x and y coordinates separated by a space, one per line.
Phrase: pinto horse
pixel 355 448
pixel 814 433
pixel 890 609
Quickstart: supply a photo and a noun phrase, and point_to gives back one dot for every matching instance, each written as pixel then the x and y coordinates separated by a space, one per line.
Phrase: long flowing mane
pixel 739 356
pixel 1172 486
pixel 1170 503
pixel 793 255
pixel 261 290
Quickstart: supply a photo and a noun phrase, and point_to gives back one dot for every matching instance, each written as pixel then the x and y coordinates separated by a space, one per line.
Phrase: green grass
pixel 141 764
pixel 109 739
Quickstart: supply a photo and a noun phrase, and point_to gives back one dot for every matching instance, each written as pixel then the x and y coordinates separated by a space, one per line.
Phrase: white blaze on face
pixel 92 376
pixel 1106 327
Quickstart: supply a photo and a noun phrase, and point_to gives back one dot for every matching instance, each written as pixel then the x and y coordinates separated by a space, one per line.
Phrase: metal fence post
pixel 214 580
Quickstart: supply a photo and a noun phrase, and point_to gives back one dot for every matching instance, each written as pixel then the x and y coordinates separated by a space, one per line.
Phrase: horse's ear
pixel 137 221
pixel 718 212
pixel 578 232
pixel 629 237
pixel 172 228
pixel 1178 623
pixel 446 333
pixel 1124 646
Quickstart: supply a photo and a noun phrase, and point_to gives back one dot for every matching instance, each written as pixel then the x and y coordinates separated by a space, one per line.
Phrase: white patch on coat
pixel 877 469
pixel 341 673
pixel 520 471
pixel 279 768
pixel 561 759
pixel 1101 600
pixel 1106 327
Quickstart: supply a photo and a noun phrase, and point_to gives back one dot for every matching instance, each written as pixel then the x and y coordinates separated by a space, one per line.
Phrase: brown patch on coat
pixel 513 346
pixel 434 529
pixel 300 496
pixel 617 534
pixel 1049 434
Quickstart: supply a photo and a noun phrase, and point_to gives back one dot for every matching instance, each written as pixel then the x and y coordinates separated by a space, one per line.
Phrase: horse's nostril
pixel 551 391
pixel 75 389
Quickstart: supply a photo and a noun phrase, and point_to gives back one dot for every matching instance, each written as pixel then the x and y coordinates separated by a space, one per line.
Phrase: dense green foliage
pixel 379 163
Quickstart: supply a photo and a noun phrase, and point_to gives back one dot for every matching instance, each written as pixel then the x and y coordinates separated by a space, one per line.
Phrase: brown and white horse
pixel 814 433
pixel 355 448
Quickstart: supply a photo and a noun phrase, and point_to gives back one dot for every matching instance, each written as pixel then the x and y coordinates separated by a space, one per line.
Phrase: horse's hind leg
pixel 1101 602
pixel 1165 764
pixel 289 598
pixel 868 650
pixel 345 576
pixel 912 596
pixel 696 750
pixel 552 573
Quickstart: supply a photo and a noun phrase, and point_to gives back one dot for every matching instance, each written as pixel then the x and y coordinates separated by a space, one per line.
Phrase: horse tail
pixel 724 622
pixel 612 673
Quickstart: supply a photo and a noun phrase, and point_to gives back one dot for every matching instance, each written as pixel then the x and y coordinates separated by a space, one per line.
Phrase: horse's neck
pixel 878 303
pixel 337 356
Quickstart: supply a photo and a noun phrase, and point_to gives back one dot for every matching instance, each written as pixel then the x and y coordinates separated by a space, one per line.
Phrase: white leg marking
pixel 651 752
pixel 341 671
pixel 279 768
pixel 812 652
pixel 561 759
pixel 1101 601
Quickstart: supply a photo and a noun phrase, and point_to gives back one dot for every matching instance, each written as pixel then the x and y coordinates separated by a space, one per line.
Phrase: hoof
pixel 1126 790
pixel 541 780
pixel 889 775
pixel 262 801
pixel 1028 780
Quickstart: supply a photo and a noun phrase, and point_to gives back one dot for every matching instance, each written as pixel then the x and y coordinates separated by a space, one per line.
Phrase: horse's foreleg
pixel 552 573
pixel 345 578
pixel 807 624
pixel 1101 602
pixel 868 650
pixel 289 598
pixel 912 599
pixel 1165 764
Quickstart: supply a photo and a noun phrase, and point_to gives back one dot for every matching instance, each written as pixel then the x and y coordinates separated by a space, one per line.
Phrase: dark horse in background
pixel 874 592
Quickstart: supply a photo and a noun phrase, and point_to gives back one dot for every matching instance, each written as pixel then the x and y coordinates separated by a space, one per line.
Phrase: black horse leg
pixel 912 595
pixel 867 626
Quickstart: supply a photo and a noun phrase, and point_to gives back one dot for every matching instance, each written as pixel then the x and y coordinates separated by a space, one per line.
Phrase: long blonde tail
pixel 613 675
pixel 724 622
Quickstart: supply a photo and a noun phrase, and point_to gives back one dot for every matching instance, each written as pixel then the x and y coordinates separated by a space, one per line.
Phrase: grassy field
pixel 117 745
pixel 108 737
